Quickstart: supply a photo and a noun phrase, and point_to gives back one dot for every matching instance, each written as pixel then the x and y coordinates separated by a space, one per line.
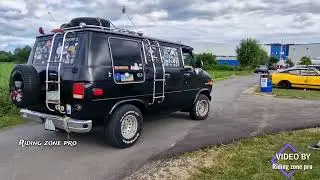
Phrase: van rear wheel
pixel 124 127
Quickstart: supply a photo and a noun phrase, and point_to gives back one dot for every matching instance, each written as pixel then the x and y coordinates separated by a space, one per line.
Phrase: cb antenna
pixel 124 9
pixel 50 13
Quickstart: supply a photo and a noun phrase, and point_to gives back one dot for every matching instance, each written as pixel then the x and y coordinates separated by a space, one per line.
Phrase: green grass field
pixel 250 159
pixel 220 74
pixel 295 93
pixel 9 115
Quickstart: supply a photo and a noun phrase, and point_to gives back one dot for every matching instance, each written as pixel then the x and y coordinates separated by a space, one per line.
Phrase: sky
pixel 207 25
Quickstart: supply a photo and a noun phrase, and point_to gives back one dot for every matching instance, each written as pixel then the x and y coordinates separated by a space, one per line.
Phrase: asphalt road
pixel 233 115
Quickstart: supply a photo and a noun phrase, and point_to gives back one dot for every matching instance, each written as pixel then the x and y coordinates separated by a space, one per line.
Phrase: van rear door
pixel 69 54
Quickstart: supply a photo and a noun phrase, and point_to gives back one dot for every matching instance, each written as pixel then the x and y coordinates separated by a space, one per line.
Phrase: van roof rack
pixel 83 25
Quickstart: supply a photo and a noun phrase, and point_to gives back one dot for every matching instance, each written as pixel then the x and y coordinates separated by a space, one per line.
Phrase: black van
pixel 85 74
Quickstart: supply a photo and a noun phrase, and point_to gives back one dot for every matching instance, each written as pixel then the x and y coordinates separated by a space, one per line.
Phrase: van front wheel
pixel 201 107
pixel 124 127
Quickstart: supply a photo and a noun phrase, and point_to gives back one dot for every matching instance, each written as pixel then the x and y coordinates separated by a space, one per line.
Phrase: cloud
pixel 203 24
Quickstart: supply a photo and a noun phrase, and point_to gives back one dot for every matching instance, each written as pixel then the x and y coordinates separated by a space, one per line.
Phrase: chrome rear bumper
pixel 65 123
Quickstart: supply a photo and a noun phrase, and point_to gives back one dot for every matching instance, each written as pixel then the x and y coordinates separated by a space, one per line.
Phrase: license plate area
pixel 49 125
pixel 53 95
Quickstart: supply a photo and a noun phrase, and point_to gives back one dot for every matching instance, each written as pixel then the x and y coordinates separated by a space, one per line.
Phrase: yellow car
pixel 298 77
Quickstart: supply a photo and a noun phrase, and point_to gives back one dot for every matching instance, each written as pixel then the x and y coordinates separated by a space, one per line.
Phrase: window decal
pixel 170 57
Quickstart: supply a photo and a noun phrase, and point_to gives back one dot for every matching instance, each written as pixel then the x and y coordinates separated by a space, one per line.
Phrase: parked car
pixel 87 74
pixel 272 68
pixel 314 66
pixel 261 69
pixel 298 77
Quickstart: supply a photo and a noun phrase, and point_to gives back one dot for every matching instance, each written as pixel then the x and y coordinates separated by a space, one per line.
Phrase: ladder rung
pixel 157 80
pixel 53 82
pixel 52 102
pixel 156 97
pixel 54 62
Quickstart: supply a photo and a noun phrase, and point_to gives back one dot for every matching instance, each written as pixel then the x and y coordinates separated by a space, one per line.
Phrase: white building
pixel 297 51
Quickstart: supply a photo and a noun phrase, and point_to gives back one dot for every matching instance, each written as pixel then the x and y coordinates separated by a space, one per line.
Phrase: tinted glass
pixel 188 58
pixel 308 72
pixel 294 72
pixel 127 60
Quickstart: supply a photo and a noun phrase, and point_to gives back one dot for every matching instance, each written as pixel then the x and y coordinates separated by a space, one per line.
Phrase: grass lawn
pixel 250 159
pixel 9 121
pixel 217 74
pixel 296 93
pixel 245 159
pixel 8 112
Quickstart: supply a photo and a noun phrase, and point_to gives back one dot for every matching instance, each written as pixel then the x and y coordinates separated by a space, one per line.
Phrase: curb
pixel 224 78
pixel 252 90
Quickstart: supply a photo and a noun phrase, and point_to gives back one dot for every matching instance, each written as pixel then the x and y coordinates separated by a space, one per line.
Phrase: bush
pixel 223 67
pixel 305 61
pixel 6 106
pixel 208 59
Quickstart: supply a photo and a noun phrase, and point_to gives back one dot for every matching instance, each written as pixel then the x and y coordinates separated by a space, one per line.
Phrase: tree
pixel 289 63
pixel 208 59
pixel 273 60
pixel 22 54
pixel 249 53
pixel 305 61
pixel 264 57
pixel 4 57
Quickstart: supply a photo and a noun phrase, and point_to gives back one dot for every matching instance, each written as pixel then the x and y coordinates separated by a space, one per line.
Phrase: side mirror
pixel 199 64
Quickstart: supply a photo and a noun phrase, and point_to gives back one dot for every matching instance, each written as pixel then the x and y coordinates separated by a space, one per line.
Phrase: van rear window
pixel 43 46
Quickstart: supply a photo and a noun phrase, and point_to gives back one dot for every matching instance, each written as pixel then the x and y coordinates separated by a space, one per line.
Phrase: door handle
pixel 167 76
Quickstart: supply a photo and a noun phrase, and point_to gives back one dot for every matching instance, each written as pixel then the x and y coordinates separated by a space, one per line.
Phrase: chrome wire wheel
pixel 202 108
pixel 129 126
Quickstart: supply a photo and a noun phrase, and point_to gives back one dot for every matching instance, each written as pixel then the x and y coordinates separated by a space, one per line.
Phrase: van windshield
pixel 42 49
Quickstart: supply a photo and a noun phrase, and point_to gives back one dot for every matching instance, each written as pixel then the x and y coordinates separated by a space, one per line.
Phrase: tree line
pixel 249 53
pixel 19 55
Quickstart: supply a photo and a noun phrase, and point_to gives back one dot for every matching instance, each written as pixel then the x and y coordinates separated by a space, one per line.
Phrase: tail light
pixel 78 90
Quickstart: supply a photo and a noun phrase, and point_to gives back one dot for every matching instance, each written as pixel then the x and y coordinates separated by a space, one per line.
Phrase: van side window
pixel 170 57
pixel 127 60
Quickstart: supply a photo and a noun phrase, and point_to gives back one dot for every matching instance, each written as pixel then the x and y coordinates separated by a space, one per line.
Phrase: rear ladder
pixel 53 97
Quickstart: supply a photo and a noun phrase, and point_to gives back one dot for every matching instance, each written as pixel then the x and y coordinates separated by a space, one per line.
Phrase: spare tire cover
pixel 90 21
pixel 24 86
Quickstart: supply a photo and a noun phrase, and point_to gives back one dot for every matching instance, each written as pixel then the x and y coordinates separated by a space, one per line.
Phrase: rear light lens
pixel 78 90
pixel 97 92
